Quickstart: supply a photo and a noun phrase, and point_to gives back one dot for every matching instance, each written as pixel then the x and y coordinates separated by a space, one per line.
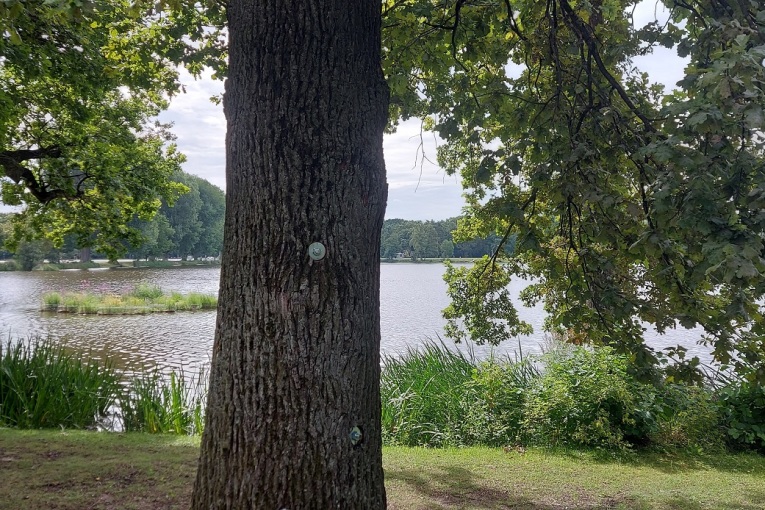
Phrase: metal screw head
pixel 355 436
pixel 317 251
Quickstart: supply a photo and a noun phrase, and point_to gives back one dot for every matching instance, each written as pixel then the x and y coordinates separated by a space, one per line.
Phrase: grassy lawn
pixel 88 470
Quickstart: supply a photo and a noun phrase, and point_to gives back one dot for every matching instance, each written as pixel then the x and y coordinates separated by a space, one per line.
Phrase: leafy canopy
pixel 629 204
pixel 79 85
pixel 632 204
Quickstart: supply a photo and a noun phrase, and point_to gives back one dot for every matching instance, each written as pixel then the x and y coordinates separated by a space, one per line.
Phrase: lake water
pixel 411 299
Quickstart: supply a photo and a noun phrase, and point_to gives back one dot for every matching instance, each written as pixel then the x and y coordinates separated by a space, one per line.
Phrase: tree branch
pixel 584 31
pixel 11 161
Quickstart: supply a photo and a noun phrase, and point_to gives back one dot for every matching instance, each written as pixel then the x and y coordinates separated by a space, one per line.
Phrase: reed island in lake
pixel 141 299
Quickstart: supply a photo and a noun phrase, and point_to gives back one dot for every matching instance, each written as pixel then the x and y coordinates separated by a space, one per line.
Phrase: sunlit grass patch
pixel 146 291
pixel 51 301
pixel 71 470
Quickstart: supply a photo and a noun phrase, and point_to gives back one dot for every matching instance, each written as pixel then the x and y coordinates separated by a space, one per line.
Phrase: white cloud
pixel 200 127
pixel 663 65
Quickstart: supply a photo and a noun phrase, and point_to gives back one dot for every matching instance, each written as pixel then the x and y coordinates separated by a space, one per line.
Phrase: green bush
pixel 495 401
pixel 687 417
pixel 742 408
pixel 585 398
pixel 42 385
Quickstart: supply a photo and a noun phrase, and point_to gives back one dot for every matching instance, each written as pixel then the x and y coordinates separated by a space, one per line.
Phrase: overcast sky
pixel 418 190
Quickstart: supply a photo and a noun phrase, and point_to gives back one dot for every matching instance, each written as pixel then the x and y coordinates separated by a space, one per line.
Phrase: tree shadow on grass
pixel 673 462
pixel 683 503
pixel 451 487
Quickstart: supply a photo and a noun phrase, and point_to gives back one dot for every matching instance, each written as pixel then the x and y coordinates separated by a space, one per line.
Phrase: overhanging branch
pixel 11 162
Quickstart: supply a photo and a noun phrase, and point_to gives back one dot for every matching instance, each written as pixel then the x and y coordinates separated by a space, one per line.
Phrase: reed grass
pixel 422 394
pixel 156 404
pixel 431 396
pixel 43 385
pixel 142 299
pixel 146 291
pixel 52 300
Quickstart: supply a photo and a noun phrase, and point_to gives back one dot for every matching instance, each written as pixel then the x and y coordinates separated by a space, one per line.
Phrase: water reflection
pixel 411 299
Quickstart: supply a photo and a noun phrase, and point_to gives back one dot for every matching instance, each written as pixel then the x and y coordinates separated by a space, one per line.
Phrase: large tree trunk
pixel 296 362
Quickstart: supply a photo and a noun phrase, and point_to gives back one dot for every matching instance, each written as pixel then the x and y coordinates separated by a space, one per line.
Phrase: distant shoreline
pixel 439 260
pixel 100 264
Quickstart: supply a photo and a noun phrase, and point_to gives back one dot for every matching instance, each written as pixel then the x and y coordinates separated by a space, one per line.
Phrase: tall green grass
pixel 422 393
pixel 431 396
pixel 52 300
pixel 146 291
pixel 44 385
pixel 156 404
pixel 436 396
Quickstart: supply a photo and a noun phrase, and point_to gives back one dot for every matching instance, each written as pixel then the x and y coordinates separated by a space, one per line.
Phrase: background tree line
pixel 191 226
pixel 431 239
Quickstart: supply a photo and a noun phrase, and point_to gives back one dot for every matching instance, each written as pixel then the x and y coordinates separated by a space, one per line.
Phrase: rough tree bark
pixel 296 360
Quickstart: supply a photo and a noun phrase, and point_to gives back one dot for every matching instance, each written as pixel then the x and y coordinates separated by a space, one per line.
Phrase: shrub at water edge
pixel 8 265
pixel 498 391
pixel 743 414
pixel 687 417
pixel 585 397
